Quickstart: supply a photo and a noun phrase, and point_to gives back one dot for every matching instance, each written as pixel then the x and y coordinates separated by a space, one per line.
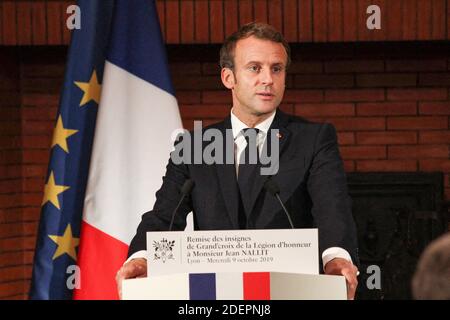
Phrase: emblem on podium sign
pixel 163 250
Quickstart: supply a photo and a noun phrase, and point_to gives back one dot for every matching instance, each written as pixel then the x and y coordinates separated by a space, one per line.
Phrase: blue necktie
pixel 248 165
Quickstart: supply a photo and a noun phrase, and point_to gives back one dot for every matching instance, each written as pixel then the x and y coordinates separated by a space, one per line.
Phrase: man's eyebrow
pixel 280 63
pixel 253 62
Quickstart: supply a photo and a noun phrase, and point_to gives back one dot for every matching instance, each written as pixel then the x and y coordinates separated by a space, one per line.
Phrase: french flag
pixel 201 286
pixel 229 286
pixel 137 115
pixel 236 286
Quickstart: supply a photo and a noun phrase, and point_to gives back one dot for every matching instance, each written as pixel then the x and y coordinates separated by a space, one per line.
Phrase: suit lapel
pixel 226 174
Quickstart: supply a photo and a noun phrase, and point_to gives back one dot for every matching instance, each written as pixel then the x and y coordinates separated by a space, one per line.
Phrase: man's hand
pixel 135 268
pixel 339 266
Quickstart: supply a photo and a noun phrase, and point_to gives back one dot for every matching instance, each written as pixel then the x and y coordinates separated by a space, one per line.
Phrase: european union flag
pixel 55 271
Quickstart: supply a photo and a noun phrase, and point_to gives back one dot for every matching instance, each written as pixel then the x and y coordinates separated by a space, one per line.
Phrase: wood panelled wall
pixel 42 22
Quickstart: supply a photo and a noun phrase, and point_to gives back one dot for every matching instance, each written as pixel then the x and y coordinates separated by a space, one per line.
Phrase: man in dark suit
pixel 310 174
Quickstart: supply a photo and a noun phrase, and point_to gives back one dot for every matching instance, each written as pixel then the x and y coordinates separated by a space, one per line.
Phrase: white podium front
pixel 234 265
pixel 282 286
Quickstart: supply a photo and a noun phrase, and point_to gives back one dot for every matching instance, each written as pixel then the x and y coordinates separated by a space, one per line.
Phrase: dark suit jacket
pixel 311 178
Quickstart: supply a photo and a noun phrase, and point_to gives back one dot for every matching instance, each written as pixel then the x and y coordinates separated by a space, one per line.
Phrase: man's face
pixel 258 77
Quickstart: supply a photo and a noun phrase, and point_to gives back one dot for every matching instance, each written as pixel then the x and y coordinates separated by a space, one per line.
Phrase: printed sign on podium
pixel 286 250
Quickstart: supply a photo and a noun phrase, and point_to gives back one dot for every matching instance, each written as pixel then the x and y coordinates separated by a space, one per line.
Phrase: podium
pixel 229 286
pixel 234 265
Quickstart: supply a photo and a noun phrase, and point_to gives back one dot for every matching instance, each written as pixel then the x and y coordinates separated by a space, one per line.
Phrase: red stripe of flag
pixel 256 286
pixel 100 256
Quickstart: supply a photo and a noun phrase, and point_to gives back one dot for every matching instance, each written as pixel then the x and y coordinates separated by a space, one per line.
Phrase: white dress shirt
pixel 239 145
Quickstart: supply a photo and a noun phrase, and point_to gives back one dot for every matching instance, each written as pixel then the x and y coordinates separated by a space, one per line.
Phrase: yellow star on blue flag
pixel 66 243
pixel 52 190
pixel 91 89
pixel 61 134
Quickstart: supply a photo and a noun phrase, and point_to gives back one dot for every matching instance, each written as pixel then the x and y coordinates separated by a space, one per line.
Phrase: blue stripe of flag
pixel 130 48
pixel 202 286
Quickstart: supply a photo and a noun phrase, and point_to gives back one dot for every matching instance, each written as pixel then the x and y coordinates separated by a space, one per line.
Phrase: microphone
pixel 185 190
pixel 272 187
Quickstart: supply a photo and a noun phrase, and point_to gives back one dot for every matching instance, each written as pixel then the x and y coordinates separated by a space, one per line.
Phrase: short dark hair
pixel 261 31
pixel 431 280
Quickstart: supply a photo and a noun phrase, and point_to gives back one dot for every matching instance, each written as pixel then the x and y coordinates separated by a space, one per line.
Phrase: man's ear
pixel 227 77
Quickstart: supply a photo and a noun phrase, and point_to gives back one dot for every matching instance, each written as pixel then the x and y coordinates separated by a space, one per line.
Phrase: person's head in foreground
pixel 431 280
